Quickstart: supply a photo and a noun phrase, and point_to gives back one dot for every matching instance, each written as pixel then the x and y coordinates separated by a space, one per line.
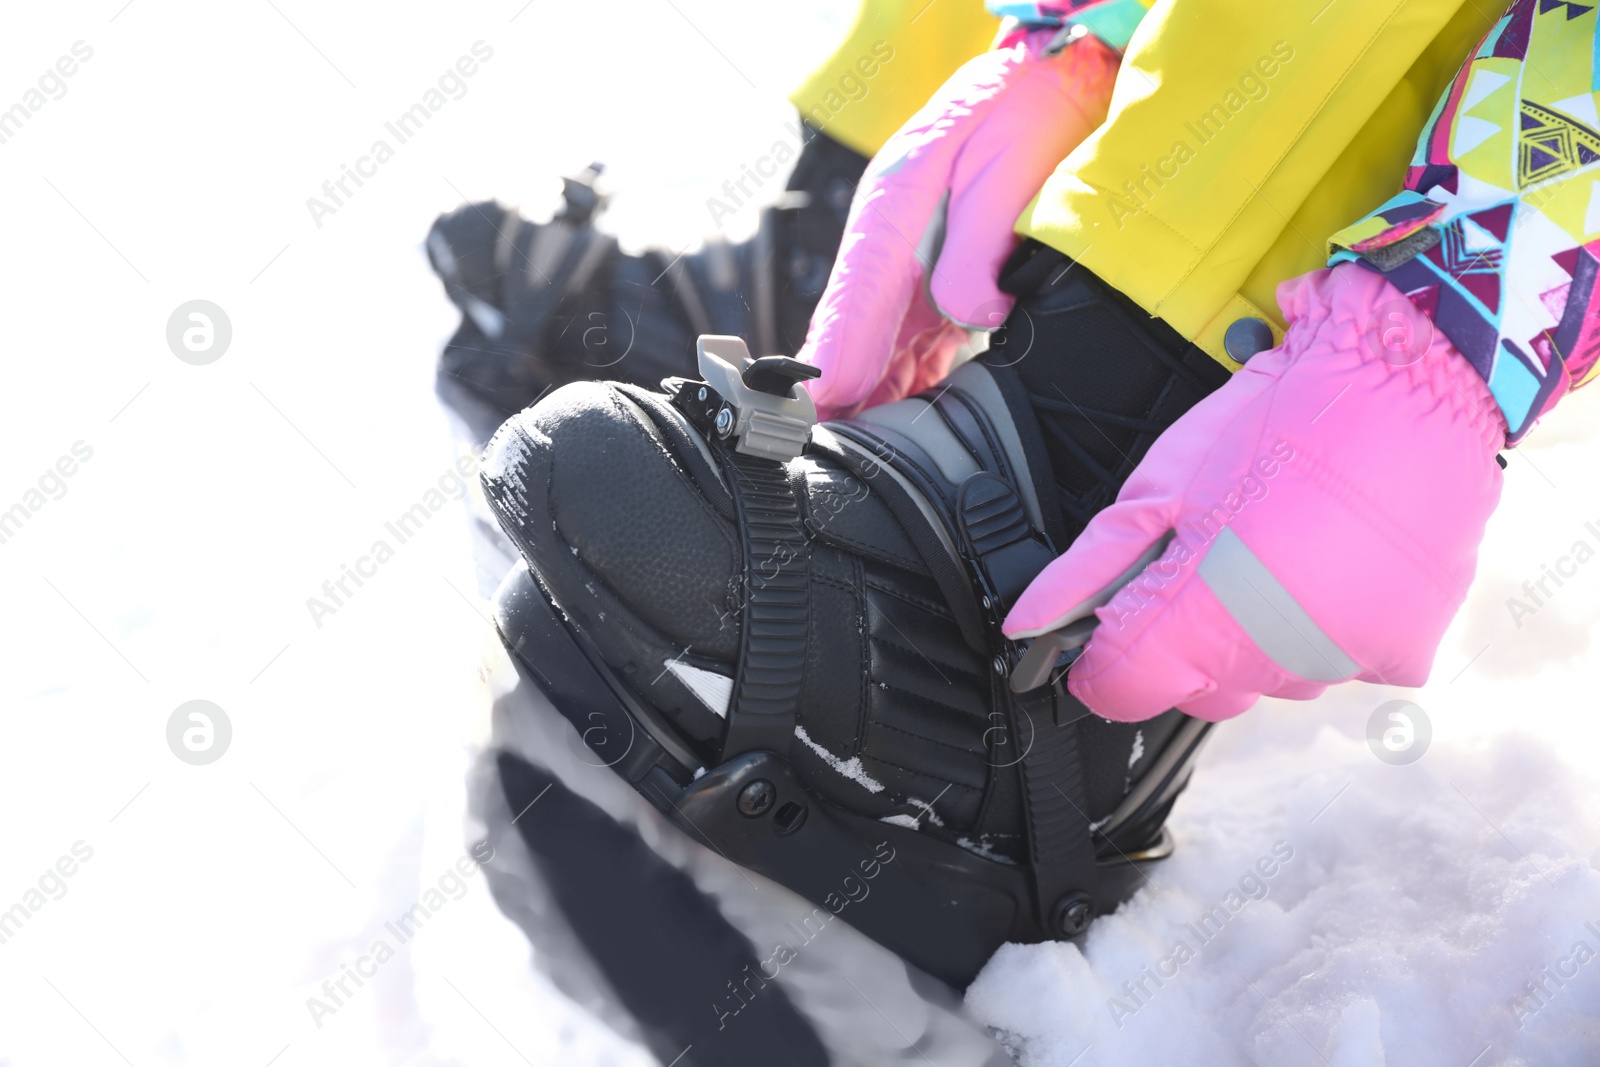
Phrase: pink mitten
pixel 1315 519
pixel 943 196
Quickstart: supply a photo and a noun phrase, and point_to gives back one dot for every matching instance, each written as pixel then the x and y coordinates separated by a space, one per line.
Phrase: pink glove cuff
pixel 1337 303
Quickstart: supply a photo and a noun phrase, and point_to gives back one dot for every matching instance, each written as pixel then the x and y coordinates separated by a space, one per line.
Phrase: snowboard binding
pixel 544 304
pixel 784 746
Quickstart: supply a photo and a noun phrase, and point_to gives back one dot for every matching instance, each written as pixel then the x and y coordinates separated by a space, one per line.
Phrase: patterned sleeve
pixel 1496 235
pixel 1112 21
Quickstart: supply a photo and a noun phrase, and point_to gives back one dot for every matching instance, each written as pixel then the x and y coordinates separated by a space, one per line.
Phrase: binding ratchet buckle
pixel 757 406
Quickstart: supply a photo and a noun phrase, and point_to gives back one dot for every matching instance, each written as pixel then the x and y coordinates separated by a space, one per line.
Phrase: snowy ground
pixel 188 914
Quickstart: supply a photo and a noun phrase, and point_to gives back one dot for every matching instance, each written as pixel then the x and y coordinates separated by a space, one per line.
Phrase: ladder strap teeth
pixel 776 609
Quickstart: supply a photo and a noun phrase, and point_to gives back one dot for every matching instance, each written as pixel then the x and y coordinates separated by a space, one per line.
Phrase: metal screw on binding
pixel 1000 665
pixel 724 422
pixel 1073 913
pixel 756 797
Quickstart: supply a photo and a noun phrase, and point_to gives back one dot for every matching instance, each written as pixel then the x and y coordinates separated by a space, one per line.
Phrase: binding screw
pixel 724 422
pixel 701 395
pixel 1000 665
pixel 756 797
pixel 1073 913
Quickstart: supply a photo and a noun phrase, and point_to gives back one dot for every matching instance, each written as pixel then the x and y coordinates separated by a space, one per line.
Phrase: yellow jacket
pixel 1240 136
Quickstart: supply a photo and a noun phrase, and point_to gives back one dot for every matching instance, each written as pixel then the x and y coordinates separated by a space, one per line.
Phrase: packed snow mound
pixel 1325 907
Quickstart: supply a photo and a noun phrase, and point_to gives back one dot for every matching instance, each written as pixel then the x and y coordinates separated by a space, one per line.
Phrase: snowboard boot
pixel 787 635
pixel 547 304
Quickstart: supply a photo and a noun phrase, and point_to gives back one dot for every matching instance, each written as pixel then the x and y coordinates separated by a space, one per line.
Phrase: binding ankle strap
pixel 756 417
pixel 776 598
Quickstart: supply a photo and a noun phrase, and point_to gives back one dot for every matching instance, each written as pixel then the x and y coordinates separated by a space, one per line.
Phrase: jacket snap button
pixel 1246 337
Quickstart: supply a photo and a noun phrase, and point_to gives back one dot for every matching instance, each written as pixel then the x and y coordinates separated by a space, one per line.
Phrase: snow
pixel 206 905
pixel 850 768
pixel 985 848
pixel 1420 900
pixel 1400 917
pixel 927 810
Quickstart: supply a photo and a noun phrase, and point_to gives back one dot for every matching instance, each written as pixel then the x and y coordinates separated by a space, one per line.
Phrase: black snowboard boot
pixel 547 304
pixel 787 637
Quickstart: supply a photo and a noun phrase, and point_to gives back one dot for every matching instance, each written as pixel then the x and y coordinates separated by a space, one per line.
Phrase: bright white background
pixel 219 498
pixel 178 563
